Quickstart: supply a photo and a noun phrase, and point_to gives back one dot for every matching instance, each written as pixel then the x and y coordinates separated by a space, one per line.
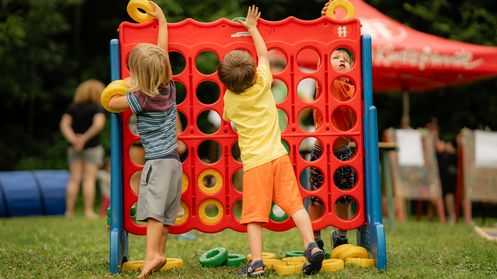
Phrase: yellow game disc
pixel 217 185
pixel 269 263
pixel 332 265
pixel 265 255
pixel 202 211
pixel 181 219
pixel 132 265
pixel 138 9
pixel 287 269
pixel 344 4
pixel 173 263
pixel 354 252
pixel 117 87
pixel 360 262
pixel 300 259
pixel 335 253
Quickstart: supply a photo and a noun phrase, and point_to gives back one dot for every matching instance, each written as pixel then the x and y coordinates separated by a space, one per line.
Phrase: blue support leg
pixel 118 236
pixel 372 235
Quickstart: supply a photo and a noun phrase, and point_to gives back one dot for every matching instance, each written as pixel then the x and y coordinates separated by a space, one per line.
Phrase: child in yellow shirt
pixel 268 173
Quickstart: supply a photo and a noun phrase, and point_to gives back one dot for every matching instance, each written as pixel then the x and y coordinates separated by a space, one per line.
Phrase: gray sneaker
pixel 338 240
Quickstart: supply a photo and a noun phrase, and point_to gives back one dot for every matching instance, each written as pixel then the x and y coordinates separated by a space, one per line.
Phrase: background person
pixel 81 125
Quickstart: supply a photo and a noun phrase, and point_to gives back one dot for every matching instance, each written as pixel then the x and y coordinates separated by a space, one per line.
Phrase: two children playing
pixel 249 104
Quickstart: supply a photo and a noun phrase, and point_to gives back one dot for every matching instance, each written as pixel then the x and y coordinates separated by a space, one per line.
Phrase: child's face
pixel 340 60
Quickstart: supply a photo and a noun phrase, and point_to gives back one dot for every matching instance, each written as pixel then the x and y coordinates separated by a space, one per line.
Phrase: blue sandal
pixel 315 260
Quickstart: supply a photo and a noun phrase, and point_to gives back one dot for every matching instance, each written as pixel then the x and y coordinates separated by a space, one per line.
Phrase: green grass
pixel 53 247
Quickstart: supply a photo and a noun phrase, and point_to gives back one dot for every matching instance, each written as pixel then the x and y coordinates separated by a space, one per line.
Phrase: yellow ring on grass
pixel 132 265
pixel 172 263
pixel 332 265
pixel 265 255
pixel 354 252
pixel 184 183
pixel 203 214
pixel 360 262
pixel 290 260
pixel 345 4
pixel 270 263
pixel 117 87
pixel 217 186
pixel 182 219
pixel 287 269
pixel 134 7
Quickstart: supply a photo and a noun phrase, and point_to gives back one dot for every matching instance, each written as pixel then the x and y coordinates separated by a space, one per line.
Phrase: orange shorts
pixel 273 181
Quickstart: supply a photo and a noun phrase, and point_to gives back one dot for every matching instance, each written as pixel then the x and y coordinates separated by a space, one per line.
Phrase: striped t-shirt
pixel 156 121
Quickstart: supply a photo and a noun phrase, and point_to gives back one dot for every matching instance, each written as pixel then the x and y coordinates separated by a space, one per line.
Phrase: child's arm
pixel 96 127
pixel 118 102
pixel 253 15
pixel 67 131
pixel 163 34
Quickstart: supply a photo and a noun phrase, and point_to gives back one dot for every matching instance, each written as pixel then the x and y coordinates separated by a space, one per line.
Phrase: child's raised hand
pixel 157 13
pixel 253 15
pixel 323 11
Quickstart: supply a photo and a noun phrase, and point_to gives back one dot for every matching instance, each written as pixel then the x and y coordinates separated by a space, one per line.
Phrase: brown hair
pixel 237 71
pixel 89 92
pixel 149 68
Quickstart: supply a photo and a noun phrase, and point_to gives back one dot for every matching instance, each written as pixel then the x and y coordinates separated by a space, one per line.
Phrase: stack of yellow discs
pixel 353 255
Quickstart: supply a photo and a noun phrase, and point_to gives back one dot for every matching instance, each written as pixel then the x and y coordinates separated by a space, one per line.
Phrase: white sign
pixel 486 149
pixel 410 148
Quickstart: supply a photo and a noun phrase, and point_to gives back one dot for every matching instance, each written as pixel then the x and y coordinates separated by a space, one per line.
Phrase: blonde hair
pixel 89 92
pixel 347 53
pixel 237 71
pixel 149 68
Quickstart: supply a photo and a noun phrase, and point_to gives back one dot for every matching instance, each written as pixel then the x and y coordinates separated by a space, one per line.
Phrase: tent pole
pixel 406 120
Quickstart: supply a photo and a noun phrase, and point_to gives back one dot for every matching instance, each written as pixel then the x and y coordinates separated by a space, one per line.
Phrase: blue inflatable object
pixel 3 203
pixel 53 190
pixel 22 194
pixel 26 193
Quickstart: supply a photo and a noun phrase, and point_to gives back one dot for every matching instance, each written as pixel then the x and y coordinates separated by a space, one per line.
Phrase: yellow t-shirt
pixel 254 113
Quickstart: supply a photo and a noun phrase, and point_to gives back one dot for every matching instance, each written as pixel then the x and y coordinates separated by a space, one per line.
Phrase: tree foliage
pixel 48 46
pixel 473 106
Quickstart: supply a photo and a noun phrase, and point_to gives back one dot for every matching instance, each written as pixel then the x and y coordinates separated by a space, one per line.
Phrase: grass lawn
pixel 53 247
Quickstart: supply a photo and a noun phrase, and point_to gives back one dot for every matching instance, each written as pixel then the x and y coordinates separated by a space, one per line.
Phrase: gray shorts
pixel 160 191
pixel 93 155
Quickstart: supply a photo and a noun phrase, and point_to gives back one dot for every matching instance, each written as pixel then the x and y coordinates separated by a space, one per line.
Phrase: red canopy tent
pixel 405 59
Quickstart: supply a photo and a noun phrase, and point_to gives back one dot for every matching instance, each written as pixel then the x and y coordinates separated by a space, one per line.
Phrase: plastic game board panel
pixel 320 35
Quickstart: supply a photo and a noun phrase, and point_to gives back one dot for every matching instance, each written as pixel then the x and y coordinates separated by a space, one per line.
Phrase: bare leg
pixel 303 223
pixel 467 211
pixel 450 205
pixel 440 210
pixel 89 178
pixel 163 241
pixel 153 255
pixel 254 234
pixel 75 170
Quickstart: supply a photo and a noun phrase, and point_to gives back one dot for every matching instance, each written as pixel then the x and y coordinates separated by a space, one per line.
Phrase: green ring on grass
pixel 214 257
pixel 276 218
pixel 238 18
pixel 294 254
pixel 235 260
